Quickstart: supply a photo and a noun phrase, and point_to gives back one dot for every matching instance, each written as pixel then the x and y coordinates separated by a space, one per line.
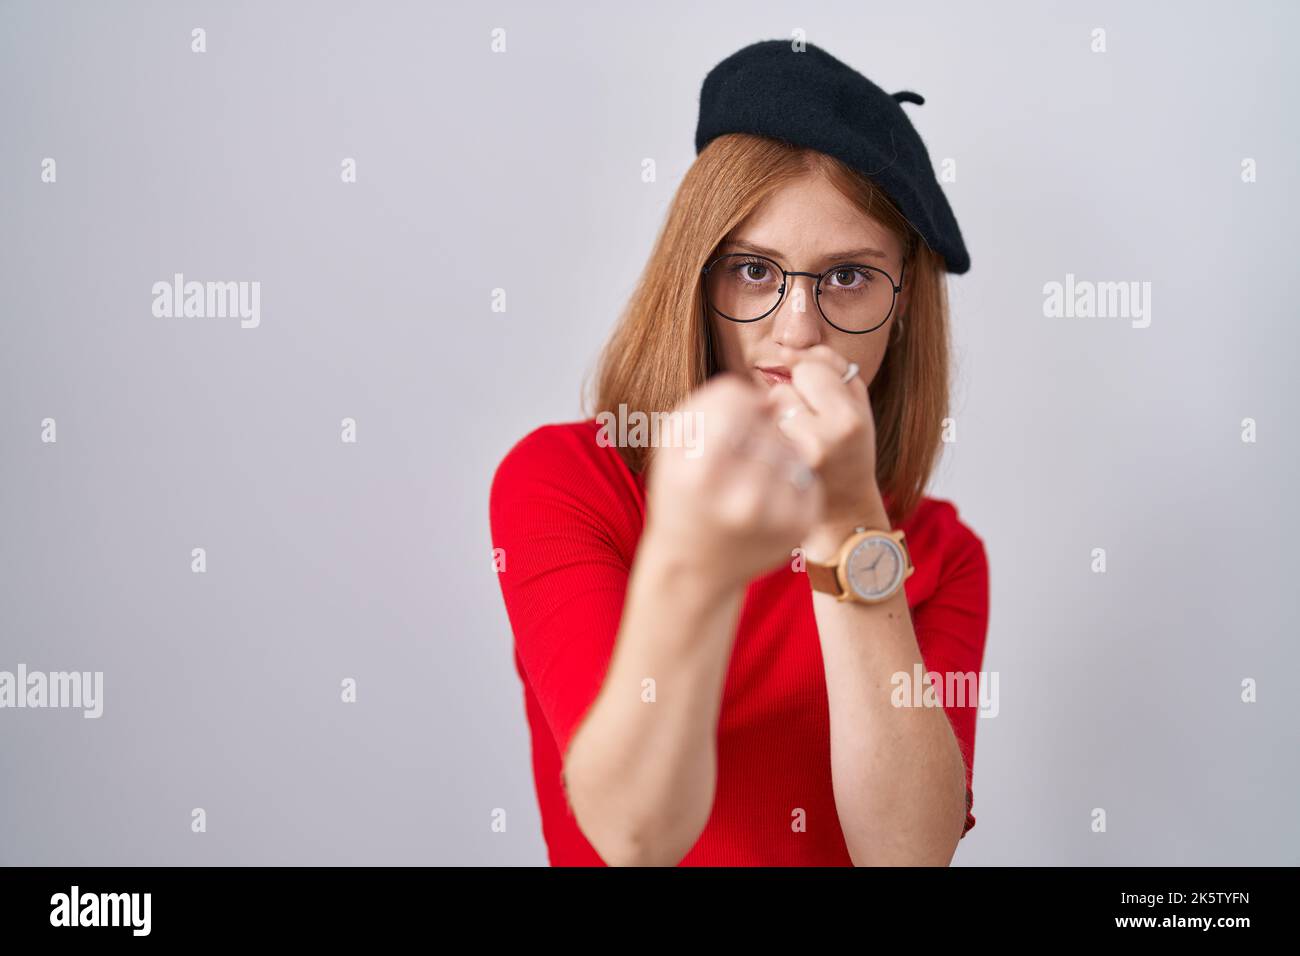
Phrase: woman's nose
pixel 798 323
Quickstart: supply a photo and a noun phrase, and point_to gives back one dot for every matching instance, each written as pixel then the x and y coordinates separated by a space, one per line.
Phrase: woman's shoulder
pixel 952 573
pixel 566 446
pixel 566 460
pixel 557 439
pixel 937 529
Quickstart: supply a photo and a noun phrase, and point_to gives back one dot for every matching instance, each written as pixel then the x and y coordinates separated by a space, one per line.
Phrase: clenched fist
pixel 740 502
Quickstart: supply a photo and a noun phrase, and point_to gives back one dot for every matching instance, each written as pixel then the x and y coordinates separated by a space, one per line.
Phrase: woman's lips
pixel 775 374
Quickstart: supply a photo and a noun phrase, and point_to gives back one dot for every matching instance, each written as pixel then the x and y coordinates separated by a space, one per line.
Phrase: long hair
pixel 661 349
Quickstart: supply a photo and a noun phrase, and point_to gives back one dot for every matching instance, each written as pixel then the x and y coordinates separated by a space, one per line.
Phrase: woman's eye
pixel 755 272
pixel 849 278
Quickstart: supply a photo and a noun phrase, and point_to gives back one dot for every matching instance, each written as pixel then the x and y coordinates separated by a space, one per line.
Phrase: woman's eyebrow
pixel 829 257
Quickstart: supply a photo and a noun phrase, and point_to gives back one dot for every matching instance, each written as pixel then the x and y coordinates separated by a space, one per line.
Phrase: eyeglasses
pixel 851 297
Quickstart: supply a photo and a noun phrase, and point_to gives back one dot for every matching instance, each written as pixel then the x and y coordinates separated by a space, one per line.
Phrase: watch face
pixel 875 567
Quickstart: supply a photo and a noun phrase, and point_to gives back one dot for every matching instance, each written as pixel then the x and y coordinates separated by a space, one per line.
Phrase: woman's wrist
pixel 822 543
pixel 680 566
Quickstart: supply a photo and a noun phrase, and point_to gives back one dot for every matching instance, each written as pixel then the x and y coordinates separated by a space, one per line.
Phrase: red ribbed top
pixel 568 514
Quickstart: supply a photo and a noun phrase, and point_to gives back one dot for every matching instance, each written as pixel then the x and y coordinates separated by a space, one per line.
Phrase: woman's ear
pixel 911 255
pixel 904 297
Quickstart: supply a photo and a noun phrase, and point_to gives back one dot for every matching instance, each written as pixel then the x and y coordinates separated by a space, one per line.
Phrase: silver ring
pixel 851 374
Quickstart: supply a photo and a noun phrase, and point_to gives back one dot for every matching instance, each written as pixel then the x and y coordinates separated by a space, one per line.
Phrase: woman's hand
pixel 832 425
pixel 737 504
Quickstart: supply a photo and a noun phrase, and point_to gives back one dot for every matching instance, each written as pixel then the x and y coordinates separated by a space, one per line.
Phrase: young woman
pixel 719 639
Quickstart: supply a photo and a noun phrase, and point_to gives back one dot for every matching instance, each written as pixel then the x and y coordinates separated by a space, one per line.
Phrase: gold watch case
pixel 842 576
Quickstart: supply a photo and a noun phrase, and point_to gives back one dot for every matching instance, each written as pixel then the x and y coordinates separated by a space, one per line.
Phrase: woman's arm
pixel 899 773
pixel 640 772
pixel 899 776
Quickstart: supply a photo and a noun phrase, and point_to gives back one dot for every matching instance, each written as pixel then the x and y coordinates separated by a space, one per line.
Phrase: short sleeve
pixel 562 512
pixel 951 630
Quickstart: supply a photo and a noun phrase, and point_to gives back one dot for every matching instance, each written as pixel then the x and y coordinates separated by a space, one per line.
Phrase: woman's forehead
pixel 809 221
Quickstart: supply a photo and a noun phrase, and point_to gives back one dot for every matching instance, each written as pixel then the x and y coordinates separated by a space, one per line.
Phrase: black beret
pixel 811 99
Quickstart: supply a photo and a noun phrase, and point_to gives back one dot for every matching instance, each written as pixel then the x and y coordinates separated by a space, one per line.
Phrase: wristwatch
pixel 870 567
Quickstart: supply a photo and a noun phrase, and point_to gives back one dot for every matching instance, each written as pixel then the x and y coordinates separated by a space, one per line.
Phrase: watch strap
pixel 825 578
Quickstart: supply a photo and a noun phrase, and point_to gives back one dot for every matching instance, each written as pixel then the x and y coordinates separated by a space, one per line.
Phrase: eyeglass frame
pixel 897 287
